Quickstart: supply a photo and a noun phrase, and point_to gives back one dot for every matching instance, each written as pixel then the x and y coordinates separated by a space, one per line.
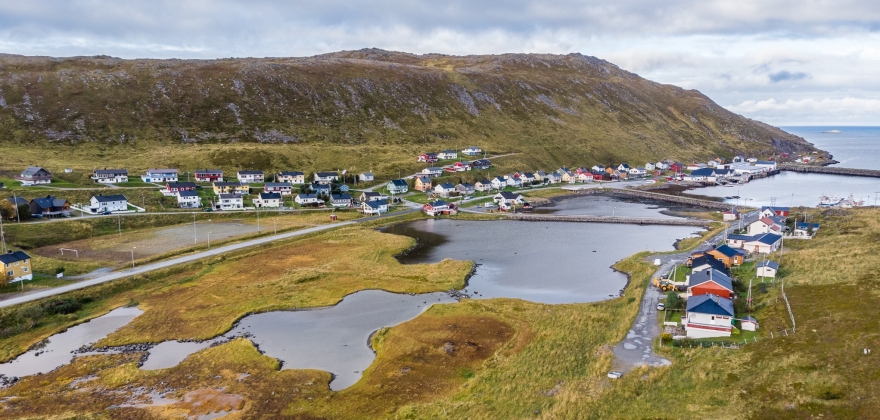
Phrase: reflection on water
pixel 598 205
pixel 795 189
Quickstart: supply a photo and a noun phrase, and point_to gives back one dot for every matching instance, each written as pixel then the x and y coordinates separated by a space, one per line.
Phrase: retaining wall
pixel 833 170
pixel 608 219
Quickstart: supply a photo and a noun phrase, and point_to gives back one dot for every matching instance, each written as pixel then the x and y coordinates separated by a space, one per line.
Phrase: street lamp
pixel 195 233
pixel 132 256
pixel 275 224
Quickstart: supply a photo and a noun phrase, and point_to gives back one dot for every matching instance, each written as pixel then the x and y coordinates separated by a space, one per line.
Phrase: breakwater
pixel 689 201
pixel 832 170
pixel 607 219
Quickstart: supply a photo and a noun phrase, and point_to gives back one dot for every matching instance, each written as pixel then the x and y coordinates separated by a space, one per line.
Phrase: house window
pixel 10 273
pixel 25 269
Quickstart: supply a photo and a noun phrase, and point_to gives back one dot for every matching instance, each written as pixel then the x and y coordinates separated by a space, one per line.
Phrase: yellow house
pixel 231 188
pixel 423 184
pixel 17 266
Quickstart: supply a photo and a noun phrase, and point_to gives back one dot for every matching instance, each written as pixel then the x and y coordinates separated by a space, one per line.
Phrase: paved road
pixel 637 348
pixel 185 259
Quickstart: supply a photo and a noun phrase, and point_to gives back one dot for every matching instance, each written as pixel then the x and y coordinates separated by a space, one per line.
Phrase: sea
pixel 853 147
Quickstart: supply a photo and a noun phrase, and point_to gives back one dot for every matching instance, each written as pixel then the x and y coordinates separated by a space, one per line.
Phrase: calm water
pixel 596 205
pixel 60 347
pixel 546 262
pixel 854 147
pixel 796 189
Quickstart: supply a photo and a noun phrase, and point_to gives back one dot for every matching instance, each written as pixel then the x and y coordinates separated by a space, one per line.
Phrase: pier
pixel 689 201
pixel 608 219
pixel 831 170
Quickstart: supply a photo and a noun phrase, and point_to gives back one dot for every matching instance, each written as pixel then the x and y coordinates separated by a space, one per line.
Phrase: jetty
pixel 832 170
pixel 669 198
pixel 608 219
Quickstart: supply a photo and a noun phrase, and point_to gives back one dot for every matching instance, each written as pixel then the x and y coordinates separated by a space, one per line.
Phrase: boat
pixel 829 201
pixel 831 132
pixel 851 202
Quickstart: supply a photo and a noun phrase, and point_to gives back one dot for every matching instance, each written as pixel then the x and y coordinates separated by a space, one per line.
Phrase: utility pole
pixel 195 233
pixel 132 256
pixel 875 197
pixel 17 216
pixel 3 238
pixel 258 219
pixel 119 223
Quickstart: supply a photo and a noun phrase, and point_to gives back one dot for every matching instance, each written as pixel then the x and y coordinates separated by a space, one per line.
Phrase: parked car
pixel 107 212
pixel 615 374
pixel 661 306
pixel 207 209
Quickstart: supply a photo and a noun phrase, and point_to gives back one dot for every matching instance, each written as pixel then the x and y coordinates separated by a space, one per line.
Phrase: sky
pixel 784 62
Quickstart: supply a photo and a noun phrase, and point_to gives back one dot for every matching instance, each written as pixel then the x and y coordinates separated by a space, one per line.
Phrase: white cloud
pixel 851 111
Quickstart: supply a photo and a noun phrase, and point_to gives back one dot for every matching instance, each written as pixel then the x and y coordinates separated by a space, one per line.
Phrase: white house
pixel 160 175
pixel 499 183
pixel 325 178
pixel 506 199
pixel 483 185
pixel 229 202
pixel 110 176
pixel 708 316
pixel 650 166
pixel 444 190
pixel 749 324
pixel 208 175
pixel 188 199
pixel 637 172
pixel 340 200
pixel 513 181
pixel 660 165
pixel 293 177
pixel 284 188
pixel 307 199
pixel 448 154
pixel 375 207
pixel 432 171
pixel 598 168
pixel 623 167
pixel 397 186
pixel 730 215
pixel 767 269
pixel 101 203
pixel 251 176
pixel 268 199
pixel 763 244
pixel 803 229
pixel 366 177
pixel 472 151
pixel 774 224
pixel 465 188
pixel 552 178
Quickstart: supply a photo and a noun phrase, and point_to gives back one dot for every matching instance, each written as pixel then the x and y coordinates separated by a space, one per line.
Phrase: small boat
pixel 831 132
pixel 851 202
pixel 829 201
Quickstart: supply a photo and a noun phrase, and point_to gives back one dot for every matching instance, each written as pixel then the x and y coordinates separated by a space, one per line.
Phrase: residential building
pixel 340 200
pixel 730 215
pixel 708 281
pixel 229 202
pixel 726 255
pixel 465 188
pixel 110 176
pixel 483 185
pixel 188 199
pixel 397 186
pixel 423 184
pixel 372 196
pixel 623 167
pixel 49 206
pixel 16 266
pixel 481 164
pixel 650 166
pixel 637 172
pixel 172 188
pixel 374 207
pixel 704 262
pixel 774 224
pixel 448 154
pixel 326 178
pixel 598 168
pixel 366 177
pixel 162 175
pixel 101 203
pixel 268 200
pixel 460 166
pixel 249 176
pixel 284 188
pixel 444 190
pixel 553 178
pixel 708 316
pixel 34 175
pixel 499 183
pixel 231 188
pixel 439 207
pixel 763 244
pixel 506 199
pixel 432 171
pixel 428 157
pixel 513 180
pixel 660 165
pixel 748 324
pixel 472 151
pixel 805 229
pixel 307 199
pixel 323 190
pixel 293 177
pixel 208 175
pixel 529 178
pixel 767 269
pixel 768 211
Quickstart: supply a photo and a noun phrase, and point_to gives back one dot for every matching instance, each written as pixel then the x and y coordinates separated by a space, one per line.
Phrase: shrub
pixel 674 301
pixel 62 306
pixel 666 337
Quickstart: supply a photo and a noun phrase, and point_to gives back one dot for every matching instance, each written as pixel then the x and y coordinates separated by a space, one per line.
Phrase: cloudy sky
pixel 785 62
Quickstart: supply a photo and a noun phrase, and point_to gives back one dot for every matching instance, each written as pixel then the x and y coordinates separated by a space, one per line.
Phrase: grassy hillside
pixel 362 110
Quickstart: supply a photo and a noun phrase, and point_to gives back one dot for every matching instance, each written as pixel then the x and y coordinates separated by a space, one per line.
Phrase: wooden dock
pixel 607 219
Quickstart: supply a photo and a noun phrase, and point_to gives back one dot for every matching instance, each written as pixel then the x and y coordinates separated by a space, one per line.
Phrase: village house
pixel 650 166
pixel 584 177
pixel 730 215
pixel 805 229
pixel 637 172
pixel 284 188
pixel 397 186
pixel 481 164
pixel 448 154
pixel 568 177
pixel 708 316
pixel 748 324
pixel 774 224
pixel 231 188
pixel 528 178
pixel 472 151
pixel 432 171
pixel 513 180
pixel 553 178
pixel 767 269
pixel 676 167
pixel 726 255
pixel 16 266
pixel 208 175
pixel 697 166
pixel 444 190
pixel 701 175
pixel 712 164
pixel 172 188
pixel 461 166
pixel 438 207
pixel 34 175
pixel 293 177
pixel 704 262
pixel 483 185
pixel 323 190
pixel 110 176
pixel 768 211
pixel 188 199
pixel 49 206
pixel 101 203
pixel 498 183
pixel 738 241
pixel 465 188
pixel 598 168
pixel 507 199
pixel 423 184
pixel 540 175
pixel 623 167
pixel 709 281
pixel 307 199
pixel 372 196
pixel 268 200
pixel 249 176
pixel 160 175
pixel 660 166
pixel 428 157
pixel 366 177
pixel 374 207
pixel 340 200
pixel 229 202
pixel 763 244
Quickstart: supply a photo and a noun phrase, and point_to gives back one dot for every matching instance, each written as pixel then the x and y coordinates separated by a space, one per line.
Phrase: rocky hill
pixel 551 106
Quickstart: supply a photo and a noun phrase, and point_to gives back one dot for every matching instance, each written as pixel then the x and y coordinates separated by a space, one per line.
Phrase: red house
pixel 428 157
pixel 598 176
pixel 710 281
pixel 209 175
pixel 676 167
pixel 172 188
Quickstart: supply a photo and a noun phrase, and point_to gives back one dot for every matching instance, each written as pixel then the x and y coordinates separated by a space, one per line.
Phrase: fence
pixel 728 344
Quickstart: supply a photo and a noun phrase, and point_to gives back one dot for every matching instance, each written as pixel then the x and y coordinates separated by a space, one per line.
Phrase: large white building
pixel 101 203
pixel 709 316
